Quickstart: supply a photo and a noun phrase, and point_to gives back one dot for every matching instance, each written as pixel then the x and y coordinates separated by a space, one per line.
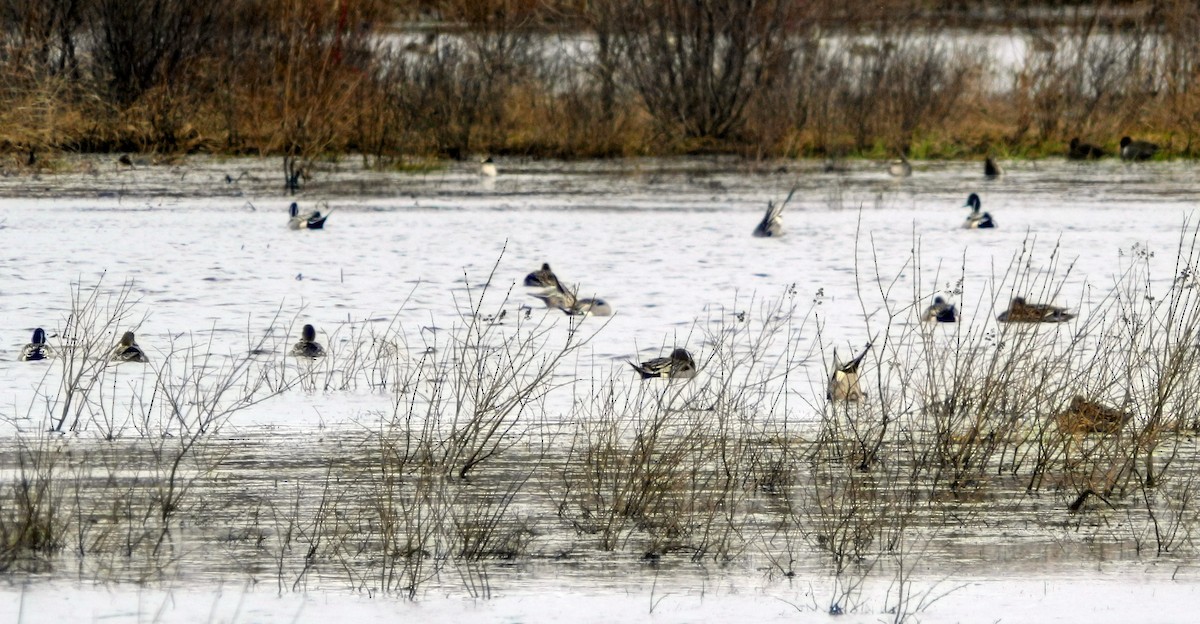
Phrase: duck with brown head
pixel 308 346
pixel 128 350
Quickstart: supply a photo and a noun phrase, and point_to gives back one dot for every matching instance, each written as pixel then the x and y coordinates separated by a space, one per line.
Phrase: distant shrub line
pixel 763 79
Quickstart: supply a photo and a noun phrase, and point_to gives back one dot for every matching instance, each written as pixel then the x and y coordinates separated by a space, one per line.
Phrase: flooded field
pixel 464 451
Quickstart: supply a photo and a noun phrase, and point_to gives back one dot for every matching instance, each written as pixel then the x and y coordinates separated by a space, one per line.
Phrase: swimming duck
pixel 590 307
pixel 311 220
pixel 991 169
pixel 843 383
pixel 1021 312
pixel 37 349
pixel 1085 416
pixel 941 312
pixel 1083 151
pixel 308 346
pixel 900 168
pixel 977 219
pixel 487 168
pixel 1137 150
pixel 542 278
pixel 128 350
pixel 679 365
pixel 772 222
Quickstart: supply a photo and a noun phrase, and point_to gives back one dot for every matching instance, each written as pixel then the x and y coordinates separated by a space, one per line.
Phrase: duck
pixel 843 383
pixel 590 307
pixel 1087 416
pixel 941 312
pixel 1084 151
pixel 772 222
pixel 487 168
pixel 37 349
pixel 308 346
pixel 1137 150
pixel 900 168
pixel 977 220
pixel 128 350
pixel 542 278
pixel 991 169
pixel 312 220
pixel 1019 311
pixel 679 365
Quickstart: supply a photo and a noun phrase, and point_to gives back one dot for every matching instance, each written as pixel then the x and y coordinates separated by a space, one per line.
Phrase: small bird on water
pixel 679 365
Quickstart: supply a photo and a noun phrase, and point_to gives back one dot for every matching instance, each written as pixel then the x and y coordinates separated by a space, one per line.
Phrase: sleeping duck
pixel 1021 312
pixel 128 350
pixel 590 307
pixel 900 168
pixel 308 346
pixel 37 349
pixel 940 311
pixel 1087 416
pixel 311 220
pixel 843 383
pixel 977 219
pixel 679 365
pixel 1083 151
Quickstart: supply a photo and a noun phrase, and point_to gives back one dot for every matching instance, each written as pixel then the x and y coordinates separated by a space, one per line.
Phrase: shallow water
pixel 666 242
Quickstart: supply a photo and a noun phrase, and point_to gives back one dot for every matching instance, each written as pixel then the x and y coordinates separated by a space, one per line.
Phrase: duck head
pixel 127 339
pixel 294 209
pixel 681 355
pixel 39 336
pixel 972 202
pixel 1125 141
pixel 309 333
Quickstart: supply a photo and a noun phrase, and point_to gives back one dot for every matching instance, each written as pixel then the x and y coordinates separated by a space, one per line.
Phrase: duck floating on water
pixel 992 169
pixel 772 222
pixel 542 278
pixel 1084 151
pixel 128 350
pixel 977 220
pixel 487 168
pixel 1019 311
pixel 900 168
pixel 941 312
pixel 1137 150
pixel 311 220
pixel 37 349
pixel 679 365
pixel 308 346
pixel 843 383
pixel 1086 416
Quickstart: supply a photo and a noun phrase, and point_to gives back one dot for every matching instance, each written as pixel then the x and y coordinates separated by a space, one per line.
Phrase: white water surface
pixel 666 242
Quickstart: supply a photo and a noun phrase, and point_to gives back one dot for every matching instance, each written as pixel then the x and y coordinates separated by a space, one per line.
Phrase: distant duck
pixel 843 384
pixel 1085 416
pixel 125 161
pixel 977 220
pixel 900 168
pixel 772 222
pixel 679 365
pixel 991 169
pixel 542 278
pixel 128 350
pixel 941 312
pixel 1084 151
pixel 1137 150
pixel 311 220
pixel 1021 312
pixel 308 346
pixel 487 168
pixel 37 349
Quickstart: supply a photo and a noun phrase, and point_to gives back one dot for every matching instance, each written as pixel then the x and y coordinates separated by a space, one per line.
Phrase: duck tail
pixel 641 371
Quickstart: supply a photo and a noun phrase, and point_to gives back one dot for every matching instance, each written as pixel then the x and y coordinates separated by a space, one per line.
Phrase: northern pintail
pixel 128 350
pixel 1021 312
pixel 37 349
pixel 843 383
pixel 977 219
pixel 679 365
pixel 308 346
